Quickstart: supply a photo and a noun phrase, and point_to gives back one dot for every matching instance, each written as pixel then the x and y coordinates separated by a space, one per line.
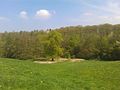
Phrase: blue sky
pixel 16 15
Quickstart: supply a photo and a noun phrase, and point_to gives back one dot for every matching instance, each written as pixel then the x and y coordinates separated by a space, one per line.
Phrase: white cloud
pixel 112 7
pixel 109 6
pixel 24 15
pixel 43 14
pixel 107 12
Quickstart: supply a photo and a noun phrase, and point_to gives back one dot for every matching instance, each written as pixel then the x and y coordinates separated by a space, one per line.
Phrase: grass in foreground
pixel 87 75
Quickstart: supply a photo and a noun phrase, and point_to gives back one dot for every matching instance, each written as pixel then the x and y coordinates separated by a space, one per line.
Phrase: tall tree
pixel 53 45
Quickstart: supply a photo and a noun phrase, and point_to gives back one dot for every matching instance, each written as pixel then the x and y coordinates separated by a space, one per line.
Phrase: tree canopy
pixel 87 42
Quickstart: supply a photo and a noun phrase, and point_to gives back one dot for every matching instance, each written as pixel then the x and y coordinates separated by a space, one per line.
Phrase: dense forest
pixel 101 42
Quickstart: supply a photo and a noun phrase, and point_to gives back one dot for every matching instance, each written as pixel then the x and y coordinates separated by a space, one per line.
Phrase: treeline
pixel 88 42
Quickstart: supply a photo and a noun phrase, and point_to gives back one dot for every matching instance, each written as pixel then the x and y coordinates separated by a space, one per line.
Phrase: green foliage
pixel 87 42
pixel 115 54
pixel 1 47
pixel 94 42
pixel 53 44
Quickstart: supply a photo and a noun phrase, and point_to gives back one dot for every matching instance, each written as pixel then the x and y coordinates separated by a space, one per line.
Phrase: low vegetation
pixel 86 75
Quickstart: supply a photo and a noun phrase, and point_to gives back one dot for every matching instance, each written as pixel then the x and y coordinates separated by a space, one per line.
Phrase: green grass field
pixel 86 75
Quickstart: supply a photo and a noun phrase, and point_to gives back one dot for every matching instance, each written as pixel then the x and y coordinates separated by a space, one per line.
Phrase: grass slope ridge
pixel 87 75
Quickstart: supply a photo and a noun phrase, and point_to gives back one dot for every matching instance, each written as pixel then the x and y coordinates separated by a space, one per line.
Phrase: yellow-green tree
pixel 53 45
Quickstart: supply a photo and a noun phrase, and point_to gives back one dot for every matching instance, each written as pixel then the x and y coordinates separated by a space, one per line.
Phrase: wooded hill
pixel 88 42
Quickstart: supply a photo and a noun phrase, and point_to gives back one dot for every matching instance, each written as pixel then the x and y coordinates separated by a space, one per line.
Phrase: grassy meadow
pixel 85 75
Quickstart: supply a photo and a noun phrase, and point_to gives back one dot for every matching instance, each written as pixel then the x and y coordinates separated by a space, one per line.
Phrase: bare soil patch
pixel 45 62
pixel 60 60
pixel 76 60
